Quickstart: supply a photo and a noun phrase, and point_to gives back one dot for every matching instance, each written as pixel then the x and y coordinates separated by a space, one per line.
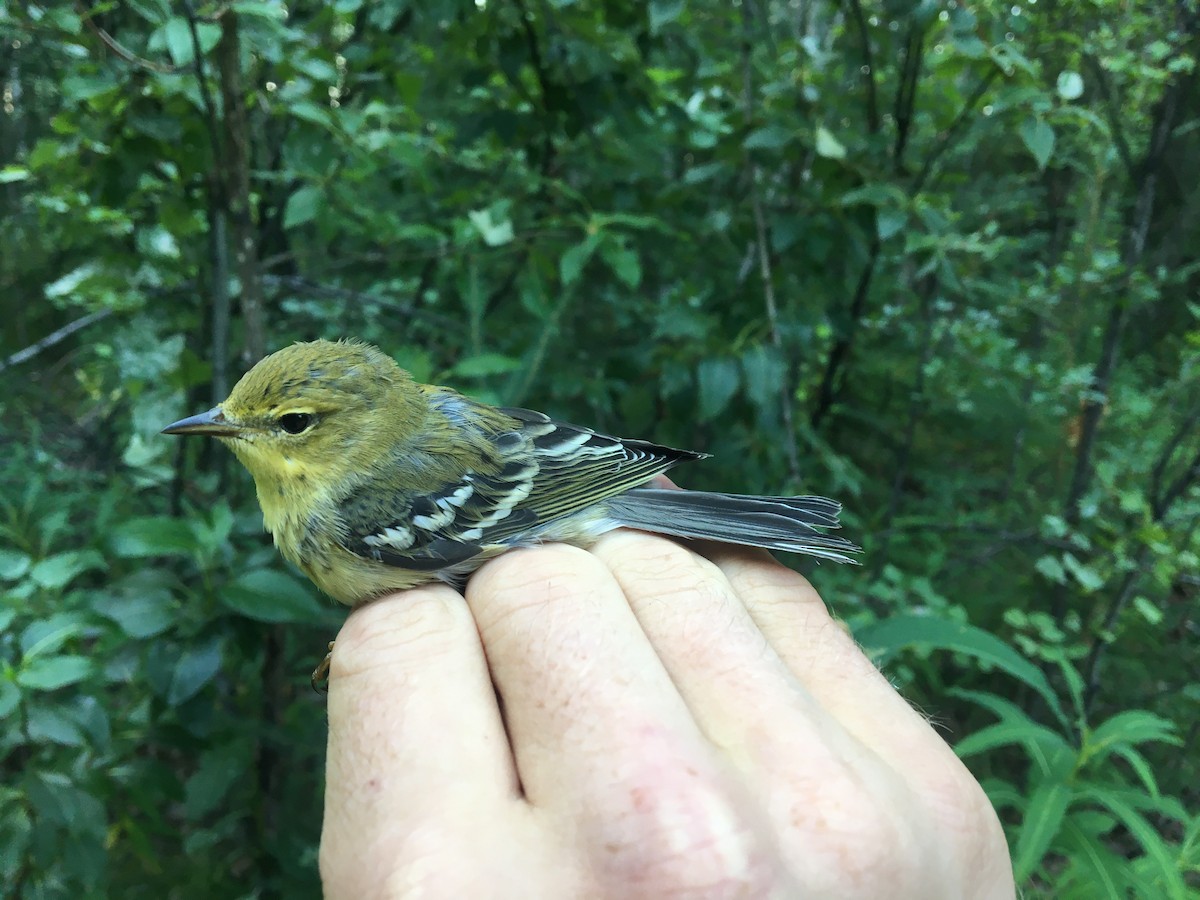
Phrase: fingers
pixel 604 743
pixel 825 659
pixel 824 789
pixel 796 623
pixel 679 727
pixel 417 751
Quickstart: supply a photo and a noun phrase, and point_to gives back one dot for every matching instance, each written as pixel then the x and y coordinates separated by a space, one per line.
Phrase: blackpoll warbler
pixel 371 482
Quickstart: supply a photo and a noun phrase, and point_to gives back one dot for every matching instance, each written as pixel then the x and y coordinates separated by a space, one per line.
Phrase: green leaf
pixel 570 266
pixel 495 232
pixel 9 697
pixel 1052 756
pixel 718 382
pixel 269 595
pixel 889 222
pixel 70 283
pixel 302 206
pixel 874 194
pixel 310 112
pixel 193 670
pixel 1132 726
pixel 179 41
pixel 764 371
pixel 1118 803
pixel 1141 767
pixel 274 11
pixel 208 34
pixel 1039 826
pixel 829 146
pixel 484 365
pixel 889 636
pixel 50 723
pixel 1010 733
pixel 663 12
pixel 139 615
pixel 13 564
pixel 1070 85
pixel 49 673
pixel 153 536
pixel 1052 569
pixel 702 173
pixel 81 88
pixel 1090 857
pixel 10 174
pixel 45 636
pixel 1147 610
pixel 770 137
pixel 55 572
pixel 178 38
pixel 218 771
pixel 1086 576
pixel 623 262
pixel 969 45
pixel 1039 139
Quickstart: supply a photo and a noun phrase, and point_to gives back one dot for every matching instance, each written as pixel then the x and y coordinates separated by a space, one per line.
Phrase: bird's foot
pixel 320 675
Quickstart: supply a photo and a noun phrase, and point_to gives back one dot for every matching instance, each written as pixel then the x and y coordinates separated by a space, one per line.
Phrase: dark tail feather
pixel 776 523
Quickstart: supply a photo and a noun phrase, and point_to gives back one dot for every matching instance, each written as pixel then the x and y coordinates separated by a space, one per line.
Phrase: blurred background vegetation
pixel 937 259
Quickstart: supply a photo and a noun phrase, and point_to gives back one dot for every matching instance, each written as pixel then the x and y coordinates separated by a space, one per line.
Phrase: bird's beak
pixel 213 423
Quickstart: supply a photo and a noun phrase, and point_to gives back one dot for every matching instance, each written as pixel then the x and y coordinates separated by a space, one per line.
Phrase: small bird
pixel 371 482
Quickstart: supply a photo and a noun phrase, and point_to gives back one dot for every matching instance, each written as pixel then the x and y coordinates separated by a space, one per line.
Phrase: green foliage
pixel 935 259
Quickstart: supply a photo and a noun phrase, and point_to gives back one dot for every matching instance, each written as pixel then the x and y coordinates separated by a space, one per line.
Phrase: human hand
pixel 669 725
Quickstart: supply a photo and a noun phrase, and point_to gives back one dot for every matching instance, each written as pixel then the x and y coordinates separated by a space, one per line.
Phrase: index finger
pixel 416 740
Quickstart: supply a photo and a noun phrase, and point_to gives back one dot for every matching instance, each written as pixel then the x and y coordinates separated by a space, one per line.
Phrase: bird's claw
pixel 320 675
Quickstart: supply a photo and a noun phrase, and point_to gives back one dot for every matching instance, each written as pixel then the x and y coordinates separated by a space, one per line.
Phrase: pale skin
pixel 636 721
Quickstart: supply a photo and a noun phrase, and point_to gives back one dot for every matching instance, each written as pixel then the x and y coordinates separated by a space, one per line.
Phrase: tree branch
pixel 237 189
pixel 951 134
pixel 85 14
pixel 864 44
pixel 1159 500
pixel 830 383
pixel 1097 397
pixel 763 242
pixel 217 220
pixel 54 337
pixel 916 403
pixel 1113 113
pixel 906 92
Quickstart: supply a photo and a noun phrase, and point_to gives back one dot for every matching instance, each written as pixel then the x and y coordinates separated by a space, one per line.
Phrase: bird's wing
pixel 575 467
pixel 545 470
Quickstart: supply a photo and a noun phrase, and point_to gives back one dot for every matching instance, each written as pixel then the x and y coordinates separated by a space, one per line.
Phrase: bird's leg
pixel 320 675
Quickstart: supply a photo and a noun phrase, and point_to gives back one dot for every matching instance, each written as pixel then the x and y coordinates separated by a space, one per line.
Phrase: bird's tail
pixel 775 523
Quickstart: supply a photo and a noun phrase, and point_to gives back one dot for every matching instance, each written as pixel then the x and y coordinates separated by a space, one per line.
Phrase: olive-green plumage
pixel 371 482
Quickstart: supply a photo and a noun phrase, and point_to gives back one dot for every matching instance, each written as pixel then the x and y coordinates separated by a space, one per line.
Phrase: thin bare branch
pixel 868 65
pixel 54 337
pixel 765 269
pixel 86 16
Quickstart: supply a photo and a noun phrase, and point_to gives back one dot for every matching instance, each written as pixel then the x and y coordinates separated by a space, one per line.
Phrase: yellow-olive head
pixel 313 409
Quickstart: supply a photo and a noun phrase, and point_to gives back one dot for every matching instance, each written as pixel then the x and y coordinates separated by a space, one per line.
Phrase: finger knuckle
pixel 967 820
pixel 686 837
pixel 860 846
pixel 664 562
pixel 526 581
pixel 424 861
pixel 421 622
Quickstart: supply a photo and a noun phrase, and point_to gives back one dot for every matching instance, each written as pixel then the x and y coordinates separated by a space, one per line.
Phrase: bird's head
pixel 312 410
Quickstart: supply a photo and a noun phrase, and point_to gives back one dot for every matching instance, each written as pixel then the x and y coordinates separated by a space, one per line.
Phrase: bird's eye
pixel 294 423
